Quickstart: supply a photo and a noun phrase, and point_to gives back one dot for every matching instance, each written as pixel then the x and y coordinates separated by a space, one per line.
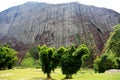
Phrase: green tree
pixel 71 60
pixel 48 59
pixel 113 43
pixel 7 57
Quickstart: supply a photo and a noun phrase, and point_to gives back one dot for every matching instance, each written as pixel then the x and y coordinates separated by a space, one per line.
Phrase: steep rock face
pixel 56 25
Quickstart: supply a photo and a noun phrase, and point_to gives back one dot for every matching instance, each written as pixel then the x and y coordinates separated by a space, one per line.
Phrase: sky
pixel 111 4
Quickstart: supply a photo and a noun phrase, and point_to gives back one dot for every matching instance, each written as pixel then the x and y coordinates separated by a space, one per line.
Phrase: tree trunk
pixel 68 76
pixel 48 76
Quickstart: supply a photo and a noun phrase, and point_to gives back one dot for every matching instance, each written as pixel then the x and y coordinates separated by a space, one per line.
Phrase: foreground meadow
pixel 37 74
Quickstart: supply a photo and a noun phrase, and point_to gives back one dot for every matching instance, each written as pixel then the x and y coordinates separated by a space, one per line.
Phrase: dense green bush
pixel 8 57
pixel 48 59
pixel 57 56
pixel 96 64
pixel 71 60
pixel 28 62
pixel 67 62
pixel 104 63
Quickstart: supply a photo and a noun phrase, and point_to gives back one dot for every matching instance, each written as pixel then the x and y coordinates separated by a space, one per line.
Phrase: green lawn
pixel 37 74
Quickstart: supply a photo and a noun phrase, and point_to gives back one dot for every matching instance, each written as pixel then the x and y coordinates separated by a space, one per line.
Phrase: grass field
pixel 37 74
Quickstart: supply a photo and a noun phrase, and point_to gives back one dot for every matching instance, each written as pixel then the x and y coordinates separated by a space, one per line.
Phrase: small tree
pixel 72 60
pixel 48 59
pixel 7 57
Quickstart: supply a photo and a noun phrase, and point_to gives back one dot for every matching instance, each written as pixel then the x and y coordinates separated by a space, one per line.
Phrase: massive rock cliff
pixel 56 25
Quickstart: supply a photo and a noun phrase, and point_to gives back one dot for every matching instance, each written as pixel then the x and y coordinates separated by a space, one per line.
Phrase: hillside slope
pixel 56 25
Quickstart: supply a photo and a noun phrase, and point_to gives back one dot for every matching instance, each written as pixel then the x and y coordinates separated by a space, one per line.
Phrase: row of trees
pixel 7 57
pixel 67 57
pixel 70 59
pixel 110 59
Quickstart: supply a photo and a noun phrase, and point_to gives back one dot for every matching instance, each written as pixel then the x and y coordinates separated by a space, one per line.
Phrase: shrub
pixel 104 63
pixel 48 59
pixel 96 64
pixel 8 57
pixel 71 60
pixel 28 62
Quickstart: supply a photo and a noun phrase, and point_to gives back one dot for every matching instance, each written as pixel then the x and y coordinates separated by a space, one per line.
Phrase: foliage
pixel 58 55
pixel 30 61
pixel 7 57
pixel 88 61
pixel 105 62
pixel 113 43
pixel 111 57
pixel 118 62
pixel 34 53
pixel 67 62
pixel 27 62
pixel 65 57
pixel 96 64
pixel 73 56
pixel 37 63
pixel 48 59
